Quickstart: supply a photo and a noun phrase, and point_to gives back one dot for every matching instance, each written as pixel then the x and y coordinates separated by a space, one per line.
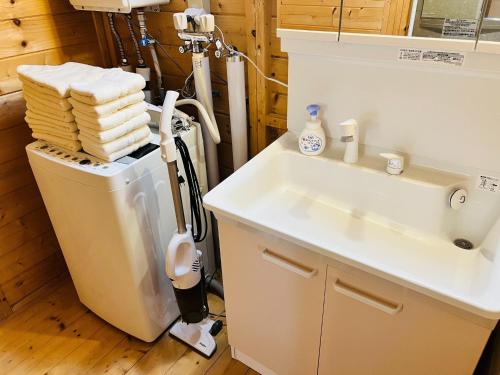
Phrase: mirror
pixel 490 25
pixel 444 19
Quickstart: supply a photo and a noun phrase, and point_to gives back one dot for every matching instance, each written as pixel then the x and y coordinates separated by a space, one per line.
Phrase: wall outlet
pixel 204 4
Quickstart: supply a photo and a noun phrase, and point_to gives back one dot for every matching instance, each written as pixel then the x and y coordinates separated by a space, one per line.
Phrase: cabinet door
pixel 274 294
pixel 374 327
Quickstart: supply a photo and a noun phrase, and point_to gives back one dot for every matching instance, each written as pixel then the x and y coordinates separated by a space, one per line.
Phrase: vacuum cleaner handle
pixel 182 264
pixel 167 143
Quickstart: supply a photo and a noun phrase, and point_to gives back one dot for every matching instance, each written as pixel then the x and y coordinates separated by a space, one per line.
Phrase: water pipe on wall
pixel 124 64
pixel 147 41
pixel 237 109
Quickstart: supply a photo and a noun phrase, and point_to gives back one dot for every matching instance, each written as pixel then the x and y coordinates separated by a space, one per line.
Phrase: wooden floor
pixel 56 334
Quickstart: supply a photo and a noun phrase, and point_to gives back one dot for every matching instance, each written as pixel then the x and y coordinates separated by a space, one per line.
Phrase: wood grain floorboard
pixel 56 334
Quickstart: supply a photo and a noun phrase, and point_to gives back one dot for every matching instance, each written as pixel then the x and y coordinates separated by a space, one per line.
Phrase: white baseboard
pixel 250 362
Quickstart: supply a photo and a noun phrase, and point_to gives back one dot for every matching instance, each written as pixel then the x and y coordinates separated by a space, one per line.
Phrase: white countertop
pixel 466 279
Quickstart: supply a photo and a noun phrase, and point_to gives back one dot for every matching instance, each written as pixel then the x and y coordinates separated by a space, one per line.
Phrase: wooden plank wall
pixel 251 26
pixel 33 32
pixel 230 16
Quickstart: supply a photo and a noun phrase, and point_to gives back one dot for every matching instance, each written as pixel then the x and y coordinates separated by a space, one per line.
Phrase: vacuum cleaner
pixel 184 264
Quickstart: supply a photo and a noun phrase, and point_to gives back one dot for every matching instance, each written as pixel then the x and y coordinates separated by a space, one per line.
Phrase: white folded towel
pixel 108 122
pixel 43 117
pixel 66 116
pixel 114 84
pixel 104 136
pixel 106 108
pixel 64 143
pixel 55 80
pixel 69 126
pixel 65 134
pixel 118 154
pixel 117 144
pixel 37 97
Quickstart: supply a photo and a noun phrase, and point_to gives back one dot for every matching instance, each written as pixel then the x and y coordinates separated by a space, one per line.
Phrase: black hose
pixel 118 40
pixel 140 59
pixel 199 221
pixel 214 286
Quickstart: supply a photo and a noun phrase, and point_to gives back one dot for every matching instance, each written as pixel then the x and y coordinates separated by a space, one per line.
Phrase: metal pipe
pixel 146 41
pixel 140 59
pixel 479 30
pixel 156 64
pixel 177 198
pixel 118 40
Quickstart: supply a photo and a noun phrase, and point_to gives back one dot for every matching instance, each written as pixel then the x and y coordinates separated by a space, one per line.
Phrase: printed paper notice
pixel 455 28
pixel 489 183
pixel 450 58
pixel 438 57
pixel 410 54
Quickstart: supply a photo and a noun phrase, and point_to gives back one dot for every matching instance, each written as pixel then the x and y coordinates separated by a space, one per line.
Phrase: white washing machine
pixel 114 222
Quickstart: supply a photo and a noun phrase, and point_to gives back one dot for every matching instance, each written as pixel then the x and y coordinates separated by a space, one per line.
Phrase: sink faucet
pixel 395 163
pixel 350 136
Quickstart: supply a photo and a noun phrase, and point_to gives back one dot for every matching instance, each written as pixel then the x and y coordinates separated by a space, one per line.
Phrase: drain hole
pixel 463 244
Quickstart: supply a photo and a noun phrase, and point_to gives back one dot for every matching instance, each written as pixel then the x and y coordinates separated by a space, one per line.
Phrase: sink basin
pixel 398 227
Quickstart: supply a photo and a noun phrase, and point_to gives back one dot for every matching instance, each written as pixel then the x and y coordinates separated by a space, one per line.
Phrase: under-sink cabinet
pixel 292 311
pixel 274 295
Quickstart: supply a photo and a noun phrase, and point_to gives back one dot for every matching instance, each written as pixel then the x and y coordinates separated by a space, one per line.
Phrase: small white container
pixel 312 140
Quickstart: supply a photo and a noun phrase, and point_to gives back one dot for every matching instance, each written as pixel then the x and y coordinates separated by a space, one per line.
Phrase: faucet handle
pixel 395 163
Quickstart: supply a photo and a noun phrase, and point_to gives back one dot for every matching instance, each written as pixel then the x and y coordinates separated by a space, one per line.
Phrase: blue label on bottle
pixel 310 143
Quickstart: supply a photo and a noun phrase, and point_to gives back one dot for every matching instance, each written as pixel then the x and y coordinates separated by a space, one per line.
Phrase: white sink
pixel 398 227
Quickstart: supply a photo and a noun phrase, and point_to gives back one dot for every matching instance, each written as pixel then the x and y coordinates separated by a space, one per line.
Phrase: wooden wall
pixel 230 16
pixel 32 32
pixel 251 26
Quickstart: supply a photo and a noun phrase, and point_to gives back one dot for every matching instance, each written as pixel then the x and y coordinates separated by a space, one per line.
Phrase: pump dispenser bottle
pixel 312 139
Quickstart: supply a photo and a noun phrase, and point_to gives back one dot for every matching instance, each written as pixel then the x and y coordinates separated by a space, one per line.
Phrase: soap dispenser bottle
pixel 312 140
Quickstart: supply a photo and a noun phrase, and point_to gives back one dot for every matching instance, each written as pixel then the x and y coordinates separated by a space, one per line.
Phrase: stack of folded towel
pixel 76 105
pixel 111 115
pixel 46 91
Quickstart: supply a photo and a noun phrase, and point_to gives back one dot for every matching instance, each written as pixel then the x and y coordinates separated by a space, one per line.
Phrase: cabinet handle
pixel 370 300
pixel 288 264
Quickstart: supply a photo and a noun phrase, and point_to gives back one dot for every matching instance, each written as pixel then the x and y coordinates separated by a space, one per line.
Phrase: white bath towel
pixel 117 144
pixel 61 142
pixel 43 117
pixel 32 95
pixel 118 131
pixel 66 116
pixel 55 80
pixel 68 126
pixel 118 154
pixel 114 84
pixel 106 108
pixel 108 122
pixel 65 134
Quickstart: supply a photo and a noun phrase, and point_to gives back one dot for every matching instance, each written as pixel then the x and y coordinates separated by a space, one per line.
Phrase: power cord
pixel 199 221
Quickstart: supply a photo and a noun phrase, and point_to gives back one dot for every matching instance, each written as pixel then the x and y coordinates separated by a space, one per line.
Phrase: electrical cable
pixel 118 41
pixel 232 50
pixel 164 50
pixel 188 91
pixel 140 59
pixel 199 220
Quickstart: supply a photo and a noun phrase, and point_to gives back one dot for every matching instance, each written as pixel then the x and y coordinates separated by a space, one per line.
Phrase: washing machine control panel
pixel 78 160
